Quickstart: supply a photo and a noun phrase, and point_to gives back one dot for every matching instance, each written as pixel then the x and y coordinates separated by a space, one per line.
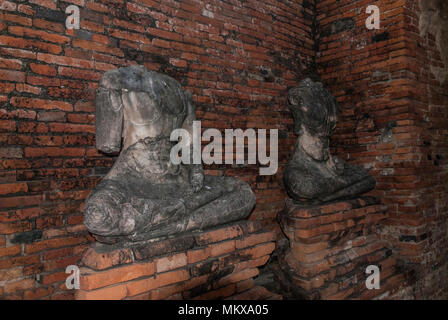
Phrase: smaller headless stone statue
pixel 312 175
pixel 145 195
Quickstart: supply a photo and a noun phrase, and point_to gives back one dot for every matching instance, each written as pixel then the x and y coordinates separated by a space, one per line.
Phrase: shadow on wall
pixel 434 20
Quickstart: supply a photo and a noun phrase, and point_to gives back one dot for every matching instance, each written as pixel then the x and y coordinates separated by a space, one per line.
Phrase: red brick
pixel 51 116
pixel 101 261
pixel 164 34
pixel 8 6
pixel 60 253
pixel 237 277
pixel 81 118
pixel 10 274
pixel 18 53
pixel 53 243
pixel 260 250
pixel 15 76
pixel 54 152
pixel 12 188
pixel 93 280
pixel 255 239
pixel 19 286
pixel 195 282
pixel 15 18
pixel 26 9
pixel 160 43
pixel 116 292
pixel 178 62
pixel 31 45
pixel 222 248
pixel 19 261
pixel 198 255
pixel 91 45
pixel 14 227
pixel 82 106
pixel 27 32
pixel 218 294
pixel 79 74
pixel 172 262
pixel 65 61
pixel 72 128
pixel 7 125
pixel 54 278
pixel 161 280
pixel 6 87
pixel 48 25
pixel 130 36
pixel 40 103
pixel 37 293
pixel 50 4
pixel 10 64
pixel 43 69
pixel 220 234
pixel 245 285
pixel 165 292
pixel 21 87
pixel 43 81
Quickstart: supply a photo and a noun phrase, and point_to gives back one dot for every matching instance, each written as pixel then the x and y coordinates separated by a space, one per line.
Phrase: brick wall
pixel 237 58
pixel 207 265
pixel 393 120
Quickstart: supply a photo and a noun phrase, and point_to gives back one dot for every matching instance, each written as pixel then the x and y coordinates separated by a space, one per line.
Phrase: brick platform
pixel 213 264
pixel 331 246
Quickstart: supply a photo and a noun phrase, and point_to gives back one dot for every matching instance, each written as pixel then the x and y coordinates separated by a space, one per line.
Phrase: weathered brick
pixel 93 280
pixel 101 261
pixel 220 234
pixel 19 285
pixel 40 103
pixel 161 280
pixel 12 188
pixel 172 262
pixel 43 69
pixel 116 292
pixel 53 243
pixel 255 239
pixel 15 76
pixel 10 63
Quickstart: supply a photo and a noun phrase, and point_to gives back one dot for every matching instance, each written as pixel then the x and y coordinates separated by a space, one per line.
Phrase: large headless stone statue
pixel 312 175
pixel 145 195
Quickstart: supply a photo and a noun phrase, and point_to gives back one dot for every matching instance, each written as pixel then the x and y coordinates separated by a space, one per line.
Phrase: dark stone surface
pixel 27 237
pixel 159 248
pixel 144 195
pixel 312 175
pixel 380 37
pixel 52 15
pixel 339 26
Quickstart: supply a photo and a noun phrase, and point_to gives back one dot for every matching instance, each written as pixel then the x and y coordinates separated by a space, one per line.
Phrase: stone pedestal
pixel 212 264
pixel 330 247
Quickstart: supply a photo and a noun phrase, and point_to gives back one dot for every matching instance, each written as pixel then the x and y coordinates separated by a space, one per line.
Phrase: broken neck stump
pixel 331 246
pixel 210 264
